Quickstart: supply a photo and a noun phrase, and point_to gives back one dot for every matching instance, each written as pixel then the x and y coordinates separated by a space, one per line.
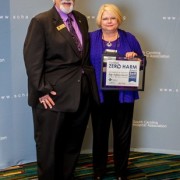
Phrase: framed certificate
pixel 120 73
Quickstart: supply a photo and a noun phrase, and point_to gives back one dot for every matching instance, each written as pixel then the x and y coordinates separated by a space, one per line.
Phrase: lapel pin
pixel 60 27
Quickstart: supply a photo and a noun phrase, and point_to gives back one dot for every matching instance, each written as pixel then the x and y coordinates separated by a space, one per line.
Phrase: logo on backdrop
pixel 3 138
pixel 148 124
pixel 155 54
pixel 169 18
pixel 165 90
pixel 14 17
pixel 14 96
pixel 2 60
pixel 159 55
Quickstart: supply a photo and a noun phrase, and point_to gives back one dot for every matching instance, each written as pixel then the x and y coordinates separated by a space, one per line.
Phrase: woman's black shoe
pixel 97 178
pixel 122 178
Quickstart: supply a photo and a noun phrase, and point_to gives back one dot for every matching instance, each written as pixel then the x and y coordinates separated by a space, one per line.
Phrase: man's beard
pixel 64 9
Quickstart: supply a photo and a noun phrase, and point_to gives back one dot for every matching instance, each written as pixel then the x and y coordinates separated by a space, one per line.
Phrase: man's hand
pixel 47 100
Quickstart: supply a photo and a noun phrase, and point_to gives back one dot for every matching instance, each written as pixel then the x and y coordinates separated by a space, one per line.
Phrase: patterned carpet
pixel 142 166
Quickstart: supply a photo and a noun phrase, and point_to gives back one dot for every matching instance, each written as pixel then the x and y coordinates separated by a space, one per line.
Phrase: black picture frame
pixel 113 55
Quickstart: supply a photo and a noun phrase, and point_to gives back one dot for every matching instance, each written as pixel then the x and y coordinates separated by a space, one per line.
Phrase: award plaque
pixel 120 73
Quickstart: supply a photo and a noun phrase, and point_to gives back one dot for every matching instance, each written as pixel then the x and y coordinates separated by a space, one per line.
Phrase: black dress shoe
pixel 119 178
pixel 98 178
pixel 122 178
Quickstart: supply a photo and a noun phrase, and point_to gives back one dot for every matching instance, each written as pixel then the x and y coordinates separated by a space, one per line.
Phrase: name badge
pixel 60 27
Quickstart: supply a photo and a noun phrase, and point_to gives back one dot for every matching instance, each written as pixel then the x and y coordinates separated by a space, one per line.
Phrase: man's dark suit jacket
pixel 53 62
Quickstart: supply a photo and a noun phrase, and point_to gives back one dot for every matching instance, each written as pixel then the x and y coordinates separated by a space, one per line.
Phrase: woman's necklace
pixel 109 43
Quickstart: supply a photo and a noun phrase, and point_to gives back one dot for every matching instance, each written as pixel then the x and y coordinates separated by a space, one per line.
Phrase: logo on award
pixel 132 76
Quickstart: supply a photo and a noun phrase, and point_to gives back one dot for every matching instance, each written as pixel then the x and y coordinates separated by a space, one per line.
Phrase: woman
pixel 115 106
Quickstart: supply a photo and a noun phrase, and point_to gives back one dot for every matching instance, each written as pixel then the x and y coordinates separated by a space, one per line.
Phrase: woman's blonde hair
pixel 111 8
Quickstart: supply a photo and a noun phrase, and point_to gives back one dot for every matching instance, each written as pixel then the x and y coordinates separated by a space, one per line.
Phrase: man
pixel 58 84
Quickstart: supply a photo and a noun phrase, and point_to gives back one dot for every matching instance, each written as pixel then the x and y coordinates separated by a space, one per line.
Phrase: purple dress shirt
pixel 74 23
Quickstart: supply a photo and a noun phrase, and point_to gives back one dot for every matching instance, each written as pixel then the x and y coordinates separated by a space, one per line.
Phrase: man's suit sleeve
pixel 34 57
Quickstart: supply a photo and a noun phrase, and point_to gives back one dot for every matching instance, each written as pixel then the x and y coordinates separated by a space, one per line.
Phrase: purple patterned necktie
pixel 73 33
